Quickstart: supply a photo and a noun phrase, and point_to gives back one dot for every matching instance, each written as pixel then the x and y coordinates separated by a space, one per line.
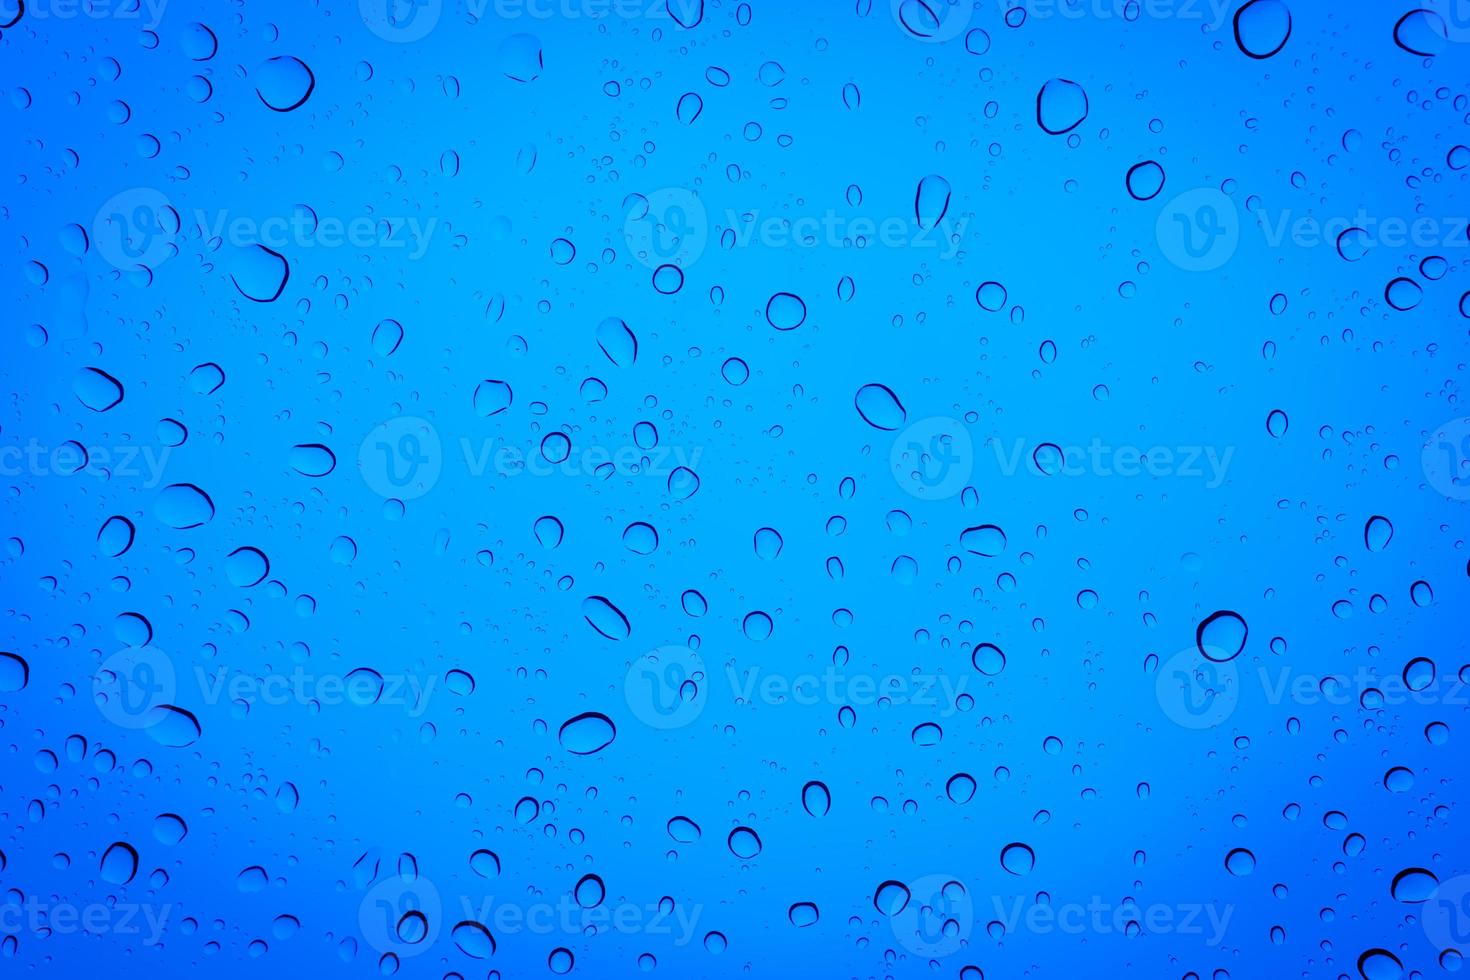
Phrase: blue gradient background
pixel 1104 579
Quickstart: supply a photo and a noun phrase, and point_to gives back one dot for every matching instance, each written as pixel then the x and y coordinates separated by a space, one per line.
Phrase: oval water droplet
pixel 587 733
pixel 880 407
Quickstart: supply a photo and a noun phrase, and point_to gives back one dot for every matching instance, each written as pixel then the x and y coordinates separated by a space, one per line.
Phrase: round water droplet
pixel 259 273
pixel 987 540
pixel 816 799
pixel 312 459
pixel 587 733
pixel 683 830
pixel 880 407
pixel 931 201
pixel 1240 862
pixel 97 389
pixel 606 618
pixel 183 506
pixel 744 843
pixel 1017 859
pixel 1061 106
pixel 785 311
pixel 1414 885
pixel 891 898
pixel 1222 636
pixel 284 83
pixel 15 673
pixel 119 864
pixel 1145 180
pixel 492 397
pixel 1377 533
pixel 1262 27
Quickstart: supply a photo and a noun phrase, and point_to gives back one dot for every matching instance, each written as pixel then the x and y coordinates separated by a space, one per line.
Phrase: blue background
pixel 402 505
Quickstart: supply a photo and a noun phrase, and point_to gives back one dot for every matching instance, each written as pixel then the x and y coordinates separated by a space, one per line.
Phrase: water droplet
pixel 1262 27
pixel 587 733
pixel 1017 859
pixel 1061 105
pixel 880 407
pixel 284 83
pixel 1222 636
pixel 744 843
